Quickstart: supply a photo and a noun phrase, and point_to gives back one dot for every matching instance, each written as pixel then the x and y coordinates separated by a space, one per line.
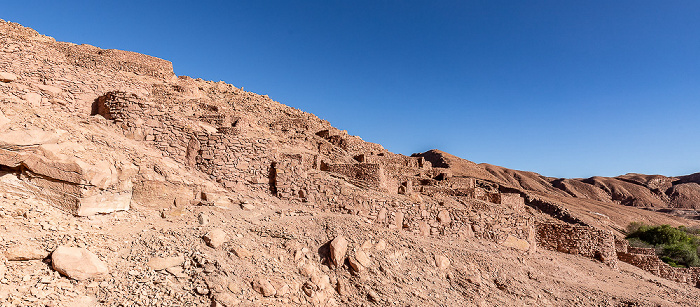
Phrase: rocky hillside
pixel 122 184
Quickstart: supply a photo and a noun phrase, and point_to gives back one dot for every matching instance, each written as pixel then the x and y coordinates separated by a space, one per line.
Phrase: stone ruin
pixel 337 172
pixel 243 140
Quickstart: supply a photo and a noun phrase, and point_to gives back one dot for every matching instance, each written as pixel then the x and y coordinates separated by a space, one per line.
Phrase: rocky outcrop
pixel 83 188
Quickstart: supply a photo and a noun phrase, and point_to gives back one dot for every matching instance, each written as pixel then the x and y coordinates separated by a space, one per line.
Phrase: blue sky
pixel 562 88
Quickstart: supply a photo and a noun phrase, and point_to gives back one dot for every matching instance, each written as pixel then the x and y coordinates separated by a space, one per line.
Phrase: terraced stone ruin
pixel 176 191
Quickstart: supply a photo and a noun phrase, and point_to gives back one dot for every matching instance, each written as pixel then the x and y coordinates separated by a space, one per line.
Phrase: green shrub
pixel 676 246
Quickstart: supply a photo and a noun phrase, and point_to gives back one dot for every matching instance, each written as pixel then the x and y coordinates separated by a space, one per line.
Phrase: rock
pixel 7 77
pixel 25 252
pixel 201 290
pixel 247 206
pixel 338 248
pixel 363 258
pixel 441 262
pixel 49 89
pixel 398 220
pixel 381 216
pixel 380 246
pixel 85 301
pixel 342 287
pixel 233 287
pixel 366 245
pixel 203 219
pixel 516 243
pixel 424 228
pixel 33 99
pixel 355 265
pixel 241 252
pixel 215 238
pixel 77 263
pixel 162 263
pixel 280 287
pixel 444 217
pixel 263 286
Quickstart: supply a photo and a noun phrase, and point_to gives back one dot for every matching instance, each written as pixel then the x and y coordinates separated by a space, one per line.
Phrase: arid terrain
pixel 122 184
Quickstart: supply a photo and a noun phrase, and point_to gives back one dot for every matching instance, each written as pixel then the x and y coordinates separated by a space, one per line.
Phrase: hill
pixel 122 184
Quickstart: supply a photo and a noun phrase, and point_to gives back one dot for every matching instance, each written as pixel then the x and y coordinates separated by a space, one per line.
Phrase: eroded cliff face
pixel 178 191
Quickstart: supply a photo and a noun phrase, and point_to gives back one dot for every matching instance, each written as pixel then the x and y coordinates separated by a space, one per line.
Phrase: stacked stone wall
pixel 92 58
pixel 654 265
pixel 578 240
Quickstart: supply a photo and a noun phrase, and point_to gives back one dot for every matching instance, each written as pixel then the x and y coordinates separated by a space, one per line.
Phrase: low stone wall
pixel 578 240
pixel 641 250
pixel 91 57
pixel 654 265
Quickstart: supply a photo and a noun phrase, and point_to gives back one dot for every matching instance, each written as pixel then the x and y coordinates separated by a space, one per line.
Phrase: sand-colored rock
pixel 162 263
pixel 338 248
pixel 77 263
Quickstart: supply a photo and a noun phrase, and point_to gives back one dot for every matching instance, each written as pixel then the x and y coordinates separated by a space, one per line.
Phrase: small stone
pixel 215 238
pixel 263 286
pixel 398 220
pixel 201 290
pixel 33 99
pixel 233 287
pixel 203 219
pixel 381 216
pixel 338 248
pixel 444 217
pixel 342 287
pixel 241 252
pixel 424 228
pixel 85 301
pixel 247 206
pixel 25 252
pixel 441 262
pixel 516 243
pixel 280 287
pixel 162 263
pixel 77 263
pixel 363 258
pixel 7 77
pixel 380 246
pixel 355 264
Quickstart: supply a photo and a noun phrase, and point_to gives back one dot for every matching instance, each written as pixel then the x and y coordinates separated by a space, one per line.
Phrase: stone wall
pixel 342 184
pixel 654 265
pixel 94 58
pixel 578 240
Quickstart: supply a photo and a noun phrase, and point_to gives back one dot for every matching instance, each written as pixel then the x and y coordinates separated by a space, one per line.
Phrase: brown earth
pixel 197 193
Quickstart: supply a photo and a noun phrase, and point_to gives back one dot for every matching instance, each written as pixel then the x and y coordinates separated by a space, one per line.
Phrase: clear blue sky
pixel 563 88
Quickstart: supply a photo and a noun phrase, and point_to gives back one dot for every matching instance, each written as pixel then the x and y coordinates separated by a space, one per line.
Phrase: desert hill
pixel 122 184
